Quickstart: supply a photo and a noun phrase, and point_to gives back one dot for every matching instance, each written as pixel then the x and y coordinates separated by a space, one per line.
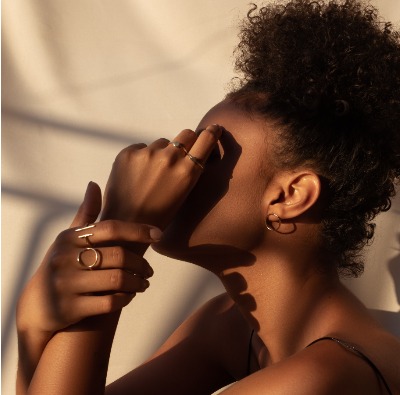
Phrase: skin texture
pixel 284 202
pixel 52 311
pixel 273 279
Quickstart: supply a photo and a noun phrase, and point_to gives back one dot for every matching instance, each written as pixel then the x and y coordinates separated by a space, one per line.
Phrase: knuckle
pixel 116 279
pixel 141 233
pixel 161 141
pixel 57 260
pixel 189 132
pixel 123 154
pixel 118 256
pixel 62 236
pixel 110 228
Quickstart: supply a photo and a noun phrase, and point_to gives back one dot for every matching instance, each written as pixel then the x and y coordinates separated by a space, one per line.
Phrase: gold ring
pixel 177 144
pixel 97 256
pixel 86 236
pixel 196 161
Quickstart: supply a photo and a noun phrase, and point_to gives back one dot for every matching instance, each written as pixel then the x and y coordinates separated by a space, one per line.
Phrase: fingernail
pixel 146 284
pixel 155 234
pixel 150 272
pixel 216 129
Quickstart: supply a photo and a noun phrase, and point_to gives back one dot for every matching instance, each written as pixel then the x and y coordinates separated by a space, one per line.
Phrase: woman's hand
pixel 148 184
pixel 64 290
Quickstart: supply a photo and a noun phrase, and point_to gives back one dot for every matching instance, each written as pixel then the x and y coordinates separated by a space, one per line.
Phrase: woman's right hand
pixel 64 290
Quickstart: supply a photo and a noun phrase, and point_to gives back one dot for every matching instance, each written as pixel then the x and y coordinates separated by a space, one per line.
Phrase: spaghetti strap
pixel 359 354
pixel 249 353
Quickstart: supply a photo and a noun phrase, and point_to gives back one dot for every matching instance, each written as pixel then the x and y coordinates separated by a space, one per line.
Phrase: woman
pixel 274 193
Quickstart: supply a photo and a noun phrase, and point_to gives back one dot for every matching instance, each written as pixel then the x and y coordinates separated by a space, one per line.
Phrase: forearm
pixel 75 360
pixel 30 349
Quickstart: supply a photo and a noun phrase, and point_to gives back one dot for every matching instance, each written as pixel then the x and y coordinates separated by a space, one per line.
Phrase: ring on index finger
pixel 97 258
pixel 179 145
pixel 86 235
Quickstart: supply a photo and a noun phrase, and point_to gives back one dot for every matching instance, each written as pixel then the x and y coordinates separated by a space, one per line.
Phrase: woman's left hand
pixel 148 184
pixel 86 272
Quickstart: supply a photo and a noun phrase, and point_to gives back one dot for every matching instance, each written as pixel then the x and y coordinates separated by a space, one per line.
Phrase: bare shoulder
pixel 383 349
pixel 325 368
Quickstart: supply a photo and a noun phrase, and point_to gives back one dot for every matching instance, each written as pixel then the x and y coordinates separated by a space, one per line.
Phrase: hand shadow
pixel 210 189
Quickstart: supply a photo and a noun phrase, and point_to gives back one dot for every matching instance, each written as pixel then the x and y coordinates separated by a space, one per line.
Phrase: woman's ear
pixel 290 194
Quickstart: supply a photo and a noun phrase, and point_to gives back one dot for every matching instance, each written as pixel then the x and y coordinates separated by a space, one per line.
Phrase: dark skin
pixel 273 281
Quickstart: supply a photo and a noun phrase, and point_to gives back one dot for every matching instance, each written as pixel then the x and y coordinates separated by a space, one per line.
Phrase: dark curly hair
pixel 329 73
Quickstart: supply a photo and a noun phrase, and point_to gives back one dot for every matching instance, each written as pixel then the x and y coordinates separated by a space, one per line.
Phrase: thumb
pixel 90 208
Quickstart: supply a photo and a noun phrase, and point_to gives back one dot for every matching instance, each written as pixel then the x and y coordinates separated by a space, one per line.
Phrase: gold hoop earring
pixel 268 223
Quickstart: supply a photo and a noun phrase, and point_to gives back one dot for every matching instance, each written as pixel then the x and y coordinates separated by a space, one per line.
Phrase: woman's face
pixel 224 210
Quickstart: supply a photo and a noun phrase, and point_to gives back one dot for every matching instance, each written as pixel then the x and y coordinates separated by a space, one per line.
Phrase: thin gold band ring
pixel 97 258
pixel 177 144
pixel 195 161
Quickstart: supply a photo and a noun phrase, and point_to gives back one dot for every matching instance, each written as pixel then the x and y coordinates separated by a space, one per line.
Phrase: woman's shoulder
pixel 367 363
pixel 323 369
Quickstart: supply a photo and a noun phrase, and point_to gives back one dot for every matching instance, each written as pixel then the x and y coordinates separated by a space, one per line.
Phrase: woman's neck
pixel 289 302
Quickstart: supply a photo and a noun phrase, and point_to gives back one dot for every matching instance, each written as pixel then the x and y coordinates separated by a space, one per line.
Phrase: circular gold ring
pixel 97 258
pixel 195 161
pixel 177 144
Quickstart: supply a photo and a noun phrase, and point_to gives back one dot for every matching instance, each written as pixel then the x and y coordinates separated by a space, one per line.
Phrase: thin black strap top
pixel 249 353
pixel 344 344
pixel 357 352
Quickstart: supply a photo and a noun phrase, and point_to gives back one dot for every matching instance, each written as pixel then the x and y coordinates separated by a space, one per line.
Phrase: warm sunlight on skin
pixel 272 194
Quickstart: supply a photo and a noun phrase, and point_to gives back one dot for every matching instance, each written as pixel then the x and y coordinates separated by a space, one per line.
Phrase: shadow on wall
pixel 391 319
pixel 55 209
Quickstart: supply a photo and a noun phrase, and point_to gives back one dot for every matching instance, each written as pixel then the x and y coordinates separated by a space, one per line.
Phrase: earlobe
pixel 292 194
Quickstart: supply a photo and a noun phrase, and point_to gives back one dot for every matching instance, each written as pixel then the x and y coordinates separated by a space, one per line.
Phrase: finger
pixel 113 230
pixel 121 258
pixel 206 142
pixel 136 146
pixel 187 138
pixel 90 207
pixel 110 281
pixel 159 144
pixel 88 306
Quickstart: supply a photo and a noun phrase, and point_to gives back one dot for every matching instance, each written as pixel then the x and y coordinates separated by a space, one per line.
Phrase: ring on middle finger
pixel 196 161
pixel 97 258
pixel 179 145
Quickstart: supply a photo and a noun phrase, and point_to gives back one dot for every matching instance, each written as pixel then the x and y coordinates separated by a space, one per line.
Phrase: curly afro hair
pixel 329 73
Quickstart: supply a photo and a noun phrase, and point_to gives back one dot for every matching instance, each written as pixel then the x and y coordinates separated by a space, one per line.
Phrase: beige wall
pixel 82 79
